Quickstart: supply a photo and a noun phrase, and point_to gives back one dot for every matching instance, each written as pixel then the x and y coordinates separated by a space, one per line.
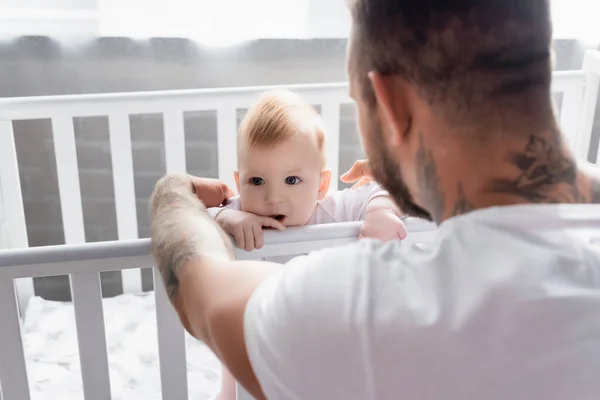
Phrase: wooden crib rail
pixel 83 262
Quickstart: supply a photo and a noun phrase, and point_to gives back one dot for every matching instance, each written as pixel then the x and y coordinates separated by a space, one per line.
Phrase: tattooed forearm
pixel 429 184
pixel 181 229
pixel 546 175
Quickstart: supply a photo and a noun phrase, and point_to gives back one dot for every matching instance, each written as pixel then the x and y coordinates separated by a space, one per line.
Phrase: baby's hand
pixel 246 228
pixel 383 224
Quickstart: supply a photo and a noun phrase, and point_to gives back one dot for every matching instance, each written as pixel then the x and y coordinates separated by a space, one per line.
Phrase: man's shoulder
pixel 324 311
pixel 354 258
pixel 301 318
pixel 335 276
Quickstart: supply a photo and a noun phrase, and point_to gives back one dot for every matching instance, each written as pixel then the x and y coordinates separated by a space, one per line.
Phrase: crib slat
pixel 570 113
pixel 241 393
pixel 13 373
pixel 174 141
pixel 171 345
pixel 122 166
pixel 227 144
pixel 591 65
pixel 68 179
pixel 91 339
pixel 11 206
pixel 330 111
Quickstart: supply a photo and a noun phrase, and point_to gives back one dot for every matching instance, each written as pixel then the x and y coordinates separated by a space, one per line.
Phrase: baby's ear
pixel 324 184
pixel 236 176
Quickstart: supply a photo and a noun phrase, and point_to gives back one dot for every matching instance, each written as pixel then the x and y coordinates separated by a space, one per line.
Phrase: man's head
pixel 281 158
pixel 446 75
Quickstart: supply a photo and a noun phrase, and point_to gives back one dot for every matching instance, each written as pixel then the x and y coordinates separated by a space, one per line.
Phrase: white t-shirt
pixel 504 303
pixel 338 206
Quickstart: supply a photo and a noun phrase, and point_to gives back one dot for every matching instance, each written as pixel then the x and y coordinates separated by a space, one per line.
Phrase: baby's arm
pixel 246 228
pixel 382 220
pixel 228 389
pixel 383 202
pixel 369 203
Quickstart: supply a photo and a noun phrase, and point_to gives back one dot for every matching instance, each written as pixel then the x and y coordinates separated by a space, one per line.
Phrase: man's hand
pixel 181 229
pixel 246 228
pixel 212 192
pixel 360 171
pixel 383 224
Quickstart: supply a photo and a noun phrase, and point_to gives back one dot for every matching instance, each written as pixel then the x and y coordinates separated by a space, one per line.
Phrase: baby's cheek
pixel 303 203
pixel 307 212
pixel 301 221
pixel 248 203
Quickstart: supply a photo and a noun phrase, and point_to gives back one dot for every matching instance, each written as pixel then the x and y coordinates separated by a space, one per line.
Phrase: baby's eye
pixel 292 180
pixel 256 181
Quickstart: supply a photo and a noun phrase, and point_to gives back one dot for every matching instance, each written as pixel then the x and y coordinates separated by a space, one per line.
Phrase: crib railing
pixel 579 88
pixel 84 262
pixel 118 107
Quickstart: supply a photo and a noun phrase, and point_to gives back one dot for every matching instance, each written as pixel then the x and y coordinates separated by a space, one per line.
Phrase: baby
pixel 282 180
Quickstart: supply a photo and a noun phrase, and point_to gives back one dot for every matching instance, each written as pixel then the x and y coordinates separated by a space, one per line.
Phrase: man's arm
pixel 208 289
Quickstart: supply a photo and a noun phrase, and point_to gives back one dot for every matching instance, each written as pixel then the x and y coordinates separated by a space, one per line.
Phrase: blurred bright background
pixel 227 21
pixel 55 47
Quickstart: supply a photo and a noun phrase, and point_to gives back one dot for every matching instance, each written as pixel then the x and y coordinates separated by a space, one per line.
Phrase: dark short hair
pixel 476 53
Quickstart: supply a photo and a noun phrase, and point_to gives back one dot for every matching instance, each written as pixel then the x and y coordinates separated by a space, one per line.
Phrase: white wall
pixel 229 21
pixel 57 4
pixel 207 21
pixel 58 18
pixel 328 19
pixel 577 19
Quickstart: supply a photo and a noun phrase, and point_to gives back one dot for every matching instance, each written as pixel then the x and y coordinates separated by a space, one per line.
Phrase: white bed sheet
pixel 54 372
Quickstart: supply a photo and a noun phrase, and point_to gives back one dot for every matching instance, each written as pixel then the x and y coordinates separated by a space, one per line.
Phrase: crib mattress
pixel 50 345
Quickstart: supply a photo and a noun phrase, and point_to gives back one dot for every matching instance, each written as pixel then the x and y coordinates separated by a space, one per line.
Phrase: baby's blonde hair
pixel 279 115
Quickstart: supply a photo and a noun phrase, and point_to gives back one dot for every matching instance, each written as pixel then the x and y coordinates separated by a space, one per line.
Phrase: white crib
pixel 83 262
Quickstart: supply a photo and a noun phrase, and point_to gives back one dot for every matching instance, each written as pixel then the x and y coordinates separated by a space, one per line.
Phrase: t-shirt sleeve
pixel 232 204
pixel 297 322
pixel 349 204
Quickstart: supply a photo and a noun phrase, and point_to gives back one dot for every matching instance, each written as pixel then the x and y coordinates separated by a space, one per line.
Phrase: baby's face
pixel 283 181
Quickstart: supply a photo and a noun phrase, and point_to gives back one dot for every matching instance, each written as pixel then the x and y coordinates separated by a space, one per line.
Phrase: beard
pixel 387 172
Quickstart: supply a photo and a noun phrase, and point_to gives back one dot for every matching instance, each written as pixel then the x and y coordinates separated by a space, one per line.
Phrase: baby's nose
pixel 274 197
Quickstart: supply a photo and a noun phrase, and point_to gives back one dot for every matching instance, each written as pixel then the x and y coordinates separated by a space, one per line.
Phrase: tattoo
pixel 429 181
pixel 169 267
pixel 181 229
pixel 462 205
pixel 546 175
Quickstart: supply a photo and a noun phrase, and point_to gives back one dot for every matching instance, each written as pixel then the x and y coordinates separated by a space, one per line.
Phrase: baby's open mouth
pixel 277 217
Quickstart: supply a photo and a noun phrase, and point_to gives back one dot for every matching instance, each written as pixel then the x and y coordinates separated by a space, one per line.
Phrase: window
pixel 56 18
pixel 228 21
pixel 207 21
pixel 577 19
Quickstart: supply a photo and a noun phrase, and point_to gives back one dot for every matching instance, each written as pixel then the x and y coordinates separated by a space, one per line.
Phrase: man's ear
pixel 395 111
pixel 324 183
pixel 236 176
